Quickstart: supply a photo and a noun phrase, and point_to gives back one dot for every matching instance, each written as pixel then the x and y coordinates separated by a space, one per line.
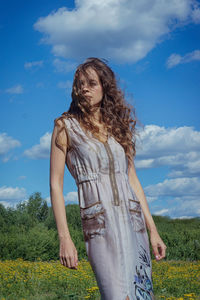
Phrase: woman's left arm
pixel 158 245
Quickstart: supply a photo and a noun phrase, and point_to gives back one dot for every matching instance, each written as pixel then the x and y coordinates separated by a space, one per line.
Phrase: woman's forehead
pixel 91 74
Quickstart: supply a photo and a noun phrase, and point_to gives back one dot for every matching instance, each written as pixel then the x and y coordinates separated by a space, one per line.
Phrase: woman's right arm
pixel 68 253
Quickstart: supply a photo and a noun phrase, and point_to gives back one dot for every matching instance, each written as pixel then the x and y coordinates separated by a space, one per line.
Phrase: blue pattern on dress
pixel 142 282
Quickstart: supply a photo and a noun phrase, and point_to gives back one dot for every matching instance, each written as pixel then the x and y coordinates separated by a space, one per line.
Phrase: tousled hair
pixel 117 115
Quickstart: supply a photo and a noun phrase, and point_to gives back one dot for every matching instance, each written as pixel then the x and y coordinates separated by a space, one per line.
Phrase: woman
pixel 96 140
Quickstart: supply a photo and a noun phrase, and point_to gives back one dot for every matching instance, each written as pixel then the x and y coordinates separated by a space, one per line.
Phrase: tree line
pixel 29 231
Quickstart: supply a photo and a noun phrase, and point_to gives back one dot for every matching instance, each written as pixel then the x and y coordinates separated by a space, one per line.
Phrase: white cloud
pixel 123 30
pixel 176 59
pixel 173 60
pixel 40 85
pixel 5 204
pixel 33 64
pixel 156 140
pixel 12 193
pixel 196 15
pixel 17 89
pixel 22 177
pixel 41 150
pixel 70 198
pixel 6 158
pixel 10 196
pixel 65 84
pixel 161 212
pixel 175 187
pixel 63 66
pixel 179 197
pixel 186 206
pixel 178 148
pixel 185 217
pixel 6 144
pixel 150 198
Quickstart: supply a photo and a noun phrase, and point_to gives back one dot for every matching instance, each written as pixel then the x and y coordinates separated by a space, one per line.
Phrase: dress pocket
pixel 93 220
pixel 136 215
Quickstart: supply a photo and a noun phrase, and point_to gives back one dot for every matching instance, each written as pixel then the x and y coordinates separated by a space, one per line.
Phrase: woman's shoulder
pixel 64 119
pixel 63 129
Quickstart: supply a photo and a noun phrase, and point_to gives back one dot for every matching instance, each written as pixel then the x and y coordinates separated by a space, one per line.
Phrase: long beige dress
pixel 113 223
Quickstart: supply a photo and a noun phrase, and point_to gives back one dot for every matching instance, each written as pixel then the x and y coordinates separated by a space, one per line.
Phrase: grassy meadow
pixel 50 280
pixel 29 256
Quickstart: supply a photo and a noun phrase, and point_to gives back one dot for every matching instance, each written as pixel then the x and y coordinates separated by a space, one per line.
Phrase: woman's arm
pixel 157 244
pixel 68 253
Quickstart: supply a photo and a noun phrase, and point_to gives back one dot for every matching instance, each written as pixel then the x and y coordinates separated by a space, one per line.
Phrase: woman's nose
pixel 85 88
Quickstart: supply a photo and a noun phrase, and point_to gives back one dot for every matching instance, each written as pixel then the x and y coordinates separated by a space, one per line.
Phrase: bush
pixel 29 232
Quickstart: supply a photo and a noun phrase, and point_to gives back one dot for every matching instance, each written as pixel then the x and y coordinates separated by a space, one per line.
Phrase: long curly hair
pixel 115 113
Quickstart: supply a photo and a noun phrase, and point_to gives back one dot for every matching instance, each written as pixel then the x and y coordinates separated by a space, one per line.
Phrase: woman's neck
pixel 96 117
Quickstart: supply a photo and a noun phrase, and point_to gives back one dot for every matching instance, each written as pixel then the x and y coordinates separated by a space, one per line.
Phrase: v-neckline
pixel 91 135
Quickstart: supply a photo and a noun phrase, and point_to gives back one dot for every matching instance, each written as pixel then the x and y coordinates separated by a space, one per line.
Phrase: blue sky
pixel 152 46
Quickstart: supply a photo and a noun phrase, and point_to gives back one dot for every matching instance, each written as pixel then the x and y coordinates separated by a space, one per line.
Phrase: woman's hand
pixel 158 245
pixel 68 253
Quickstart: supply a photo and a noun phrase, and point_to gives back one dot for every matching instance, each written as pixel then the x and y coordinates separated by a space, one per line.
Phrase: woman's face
pixel 91 89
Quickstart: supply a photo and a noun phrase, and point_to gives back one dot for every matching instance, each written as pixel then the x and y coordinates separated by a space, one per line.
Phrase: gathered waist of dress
pixel 94 176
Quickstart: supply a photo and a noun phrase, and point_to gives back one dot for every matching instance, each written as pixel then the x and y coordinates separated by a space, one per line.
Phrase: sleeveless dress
pixel 113 223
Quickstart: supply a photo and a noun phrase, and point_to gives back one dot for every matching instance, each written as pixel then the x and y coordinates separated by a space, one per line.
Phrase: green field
pixel 22 280
pixel 30 266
